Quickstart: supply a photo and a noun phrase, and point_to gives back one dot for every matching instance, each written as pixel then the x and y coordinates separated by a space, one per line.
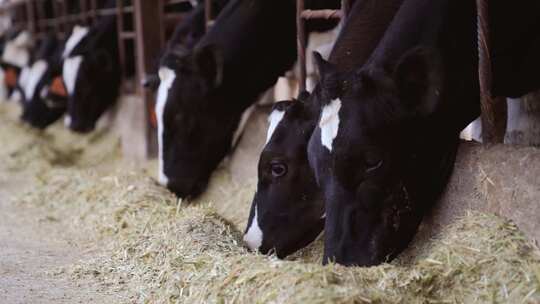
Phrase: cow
pixel 203 93
pixel 287 212
pixel 16 56
pixel 387 137
pixel 45 98
pixel 91 72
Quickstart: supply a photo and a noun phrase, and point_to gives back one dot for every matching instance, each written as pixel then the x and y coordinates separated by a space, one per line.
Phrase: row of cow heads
pixel 79 77
pixel 346 145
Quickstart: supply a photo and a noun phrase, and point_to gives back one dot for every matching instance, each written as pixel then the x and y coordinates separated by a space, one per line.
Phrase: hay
pixel 162 250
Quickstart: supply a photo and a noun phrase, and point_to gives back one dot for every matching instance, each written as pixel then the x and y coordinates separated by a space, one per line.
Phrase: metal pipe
pixel 494 110
pixel 321 14
pixel 208 13
pixel 301 43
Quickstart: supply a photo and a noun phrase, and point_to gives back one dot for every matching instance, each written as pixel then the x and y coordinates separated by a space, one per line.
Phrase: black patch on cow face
pixel 290 207
pixel 96 89
pixel 372 212
pixel 197 133
pixel 43 110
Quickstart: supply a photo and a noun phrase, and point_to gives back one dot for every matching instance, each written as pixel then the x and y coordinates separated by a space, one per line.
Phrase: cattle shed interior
pixel 119 236
pixel 143 29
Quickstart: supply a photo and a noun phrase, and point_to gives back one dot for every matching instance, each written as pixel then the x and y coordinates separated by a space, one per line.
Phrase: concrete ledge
pixel 501 179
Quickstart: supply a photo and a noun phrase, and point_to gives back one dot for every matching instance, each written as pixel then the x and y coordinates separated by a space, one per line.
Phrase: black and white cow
pixel 15 60
pixel 287 212
pixel 387 137
pixel 203 94
pixel 91 73
pixel 45 99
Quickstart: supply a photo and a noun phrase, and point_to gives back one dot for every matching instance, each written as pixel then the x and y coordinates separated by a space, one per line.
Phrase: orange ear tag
pixel 11 76
pixel 153 116
pixel 58 88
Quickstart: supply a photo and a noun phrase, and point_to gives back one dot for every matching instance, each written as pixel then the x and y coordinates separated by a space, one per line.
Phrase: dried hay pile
pixel 28 150
pixel 162 250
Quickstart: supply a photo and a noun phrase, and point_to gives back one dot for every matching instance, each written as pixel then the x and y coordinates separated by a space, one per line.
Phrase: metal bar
pixel 321 14
pixel 301 43
pixel 208 13
pixel 494 110
pixel 128 35
pixel 147 24
pixel 162 26
pixel 30 22
pixel 120 29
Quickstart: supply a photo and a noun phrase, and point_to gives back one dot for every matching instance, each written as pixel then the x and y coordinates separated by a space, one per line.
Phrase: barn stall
pixel 147 246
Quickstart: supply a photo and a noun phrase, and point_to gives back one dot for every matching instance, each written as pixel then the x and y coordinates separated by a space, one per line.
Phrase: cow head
pixel 287 212
pixel 194 133
pixel 91 75
pixel 362 155
pixel 45 98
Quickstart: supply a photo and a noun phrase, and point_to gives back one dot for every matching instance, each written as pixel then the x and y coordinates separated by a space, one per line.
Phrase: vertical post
pixel 162 25
pixel 208 13
pixel 120 30
pixel 301 43
pixel 147 25
pixel 494 109
pixel 30 18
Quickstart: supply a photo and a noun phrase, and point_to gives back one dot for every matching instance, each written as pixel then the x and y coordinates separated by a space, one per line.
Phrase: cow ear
pixel 328 74
pixel 324 67
pixel 418 78
pixel 209 62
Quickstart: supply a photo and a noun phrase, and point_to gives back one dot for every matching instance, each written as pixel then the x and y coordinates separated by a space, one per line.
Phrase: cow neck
pixel 450 28
pixel 418 22
pixel 361 33
pixel 237 33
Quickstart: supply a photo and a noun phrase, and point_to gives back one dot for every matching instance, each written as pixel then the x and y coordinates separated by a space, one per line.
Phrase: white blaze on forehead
pixel 329 123
pixel 14 55
pixel 274 119
pixel 25 76
pixel 24 39
pixel 78 34
pixel 254 236
pixel 70 70
pixel 36 74
pixel 16 51
pixel 167 77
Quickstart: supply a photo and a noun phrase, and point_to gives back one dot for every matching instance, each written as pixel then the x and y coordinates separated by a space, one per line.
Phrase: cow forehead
pixel 274 119
pixel 70 71
pixel 167 77
pixel 36 74
pixel 78 34
pixel 329 123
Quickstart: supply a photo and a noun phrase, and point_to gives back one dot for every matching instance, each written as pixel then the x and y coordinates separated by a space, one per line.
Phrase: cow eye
pixel 373 162
pixel 278 169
